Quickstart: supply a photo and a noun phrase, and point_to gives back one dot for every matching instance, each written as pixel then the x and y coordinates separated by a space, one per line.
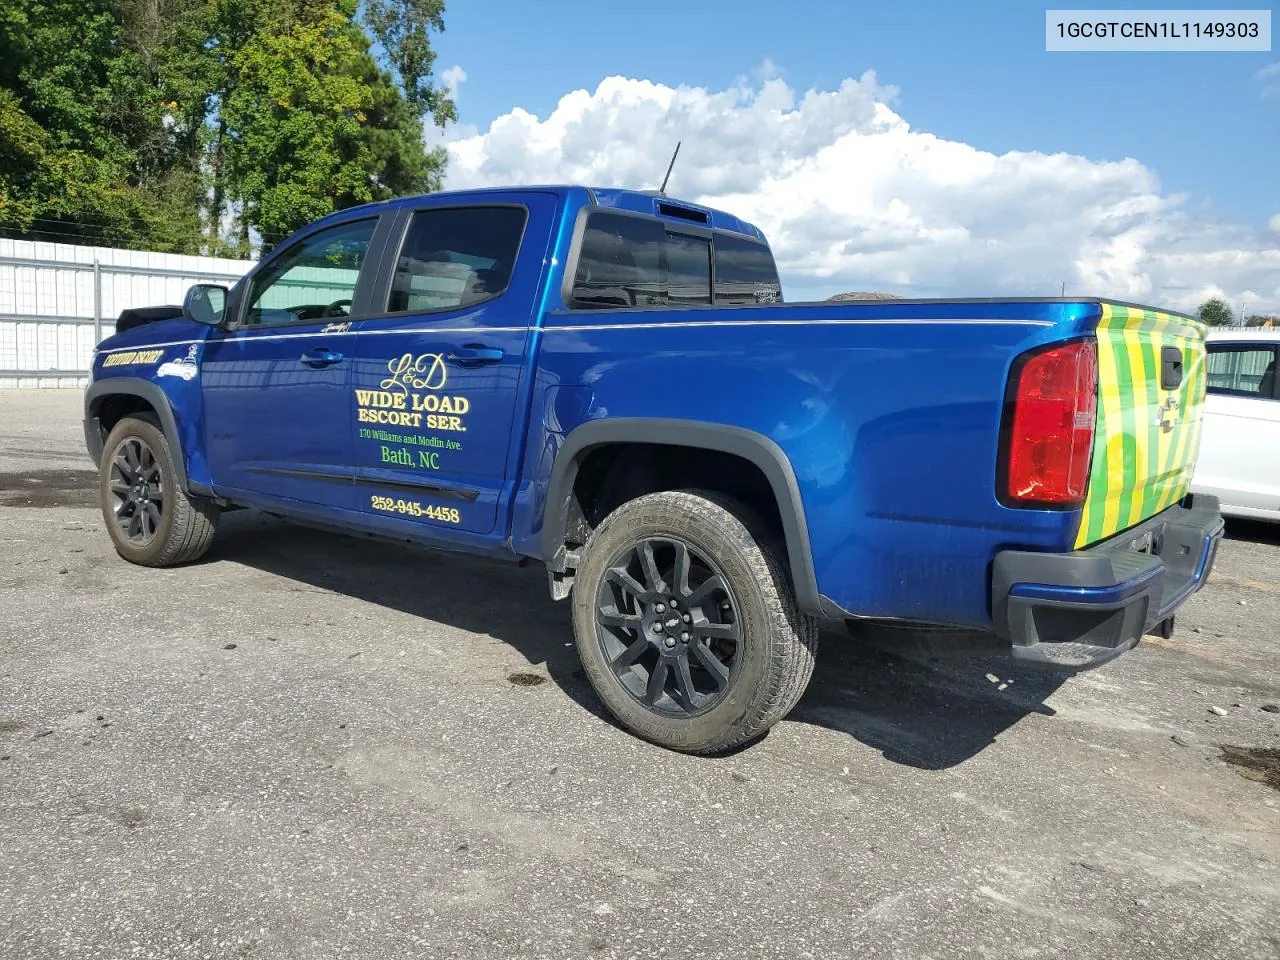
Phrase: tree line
pixel 1216 312
pixel 204 126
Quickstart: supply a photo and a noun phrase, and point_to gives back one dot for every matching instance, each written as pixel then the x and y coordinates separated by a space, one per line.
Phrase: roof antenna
pixel 662 190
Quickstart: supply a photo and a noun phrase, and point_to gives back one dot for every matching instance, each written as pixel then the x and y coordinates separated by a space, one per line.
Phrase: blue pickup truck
pixel 609 382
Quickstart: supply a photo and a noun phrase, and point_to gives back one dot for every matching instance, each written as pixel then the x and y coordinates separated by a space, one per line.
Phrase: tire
pixel 176 528
pixel 763 645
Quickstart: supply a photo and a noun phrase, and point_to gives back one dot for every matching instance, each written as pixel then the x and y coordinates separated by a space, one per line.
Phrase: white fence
pixel 58 300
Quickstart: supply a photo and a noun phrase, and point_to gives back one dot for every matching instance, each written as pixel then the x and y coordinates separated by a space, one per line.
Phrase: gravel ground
pixel 313 746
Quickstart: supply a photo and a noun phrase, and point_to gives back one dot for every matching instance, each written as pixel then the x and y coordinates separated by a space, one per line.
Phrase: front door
pixel 437 379
pixel 276 383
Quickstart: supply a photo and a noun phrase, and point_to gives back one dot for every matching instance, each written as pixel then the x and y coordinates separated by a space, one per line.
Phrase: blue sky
pixel 932 149
pixel 972 72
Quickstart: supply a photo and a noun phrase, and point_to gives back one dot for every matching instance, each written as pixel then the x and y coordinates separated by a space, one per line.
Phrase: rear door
pixel 1240 451
pixel 438 381
pixel 1151 389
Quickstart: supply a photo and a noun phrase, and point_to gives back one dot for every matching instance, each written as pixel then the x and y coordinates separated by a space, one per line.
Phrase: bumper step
pixel 1083 608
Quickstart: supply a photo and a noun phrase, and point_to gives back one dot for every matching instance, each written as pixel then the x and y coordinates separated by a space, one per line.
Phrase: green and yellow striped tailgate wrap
pixel 1147 438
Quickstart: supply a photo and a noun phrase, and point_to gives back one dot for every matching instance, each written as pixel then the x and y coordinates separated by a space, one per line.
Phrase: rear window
pixel 636 261
pixel 1242 370
pixel 456 257
pixel 622 263
pixel 745 272
pixel 688 269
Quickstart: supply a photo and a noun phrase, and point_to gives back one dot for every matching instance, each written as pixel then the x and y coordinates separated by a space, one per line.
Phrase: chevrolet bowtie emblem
pixel 1168 413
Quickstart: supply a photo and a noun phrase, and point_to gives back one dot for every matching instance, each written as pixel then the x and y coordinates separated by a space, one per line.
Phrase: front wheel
pixel 151 519
pixel 687 623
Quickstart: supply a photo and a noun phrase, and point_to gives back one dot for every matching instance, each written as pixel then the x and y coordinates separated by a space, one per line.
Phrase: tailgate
pixel 1147 434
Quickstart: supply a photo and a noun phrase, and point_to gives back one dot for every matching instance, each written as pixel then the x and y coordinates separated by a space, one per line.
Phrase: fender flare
pixel 756 448
pixel 100 390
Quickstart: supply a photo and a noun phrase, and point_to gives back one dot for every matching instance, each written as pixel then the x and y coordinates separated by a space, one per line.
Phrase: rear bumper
pixel 1083 608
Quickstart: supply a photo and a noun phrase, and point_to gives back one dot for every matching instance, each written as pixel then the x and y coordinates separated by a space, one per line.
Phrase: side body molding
pixel 736 441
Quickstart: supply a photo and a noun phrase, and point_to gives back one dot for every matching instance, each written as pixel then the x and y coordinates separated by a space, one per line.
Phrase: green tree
pixel 169 136
pixel 1261 320
pixel 158 122
pixel 68 109
pixel 404 27
pixel 1215 312
pixel 52 191
pixel 316 125
pixel 198 75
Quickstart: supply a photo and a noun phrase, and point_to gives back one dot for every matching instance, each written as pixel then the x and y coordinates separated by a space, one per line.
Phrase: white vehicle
pixel 1240 446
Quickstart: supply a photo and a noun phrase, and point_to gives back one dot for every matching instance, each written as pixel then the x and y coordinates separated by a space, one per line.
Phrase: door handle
pixel 475 355
pixel 320 357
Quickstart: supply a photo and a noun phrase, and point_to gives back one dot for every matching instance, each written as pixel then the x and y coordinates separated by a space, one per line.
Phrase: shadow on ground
pixel 924 712
pixel 1255 531
pixel 921 710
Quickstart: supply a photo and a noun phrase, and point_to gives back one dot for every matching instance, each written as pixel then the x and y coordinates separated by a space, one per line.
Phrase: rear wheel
pixel 149 517
pixel 686 621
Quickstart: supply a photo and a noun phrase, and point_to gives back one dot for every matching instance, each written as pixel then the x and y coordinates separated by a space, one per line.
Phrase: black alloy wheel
pixel 668 626
pixel 137 491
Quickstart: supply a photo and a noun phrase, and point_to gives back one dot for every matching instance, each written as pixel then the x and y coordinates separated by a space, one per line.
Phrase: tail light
pixel 1047 438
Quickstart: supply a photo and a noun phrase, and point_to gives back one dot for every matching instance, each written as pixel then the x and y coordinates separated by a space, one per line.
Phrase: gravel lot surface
pixel 313 746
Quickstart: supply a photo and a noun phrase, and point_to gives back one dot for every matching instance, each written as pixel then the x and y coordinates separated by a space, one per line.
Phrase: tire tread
pixel 792 635
pixel 195 518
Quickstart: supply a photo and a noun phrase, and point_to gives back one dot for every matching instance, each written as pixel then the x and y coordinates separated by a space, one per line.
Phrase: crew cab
pixel 609 382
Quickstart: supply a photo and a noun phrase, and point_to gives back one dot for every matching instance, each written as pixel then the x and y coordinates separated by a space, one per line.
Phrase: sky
pixel 933 149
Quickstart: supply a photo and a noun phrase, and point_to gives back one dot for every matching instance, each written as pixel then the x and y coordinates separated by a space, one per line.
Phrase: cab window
pixel 1242 370
pixel 314 280
pixel 456 257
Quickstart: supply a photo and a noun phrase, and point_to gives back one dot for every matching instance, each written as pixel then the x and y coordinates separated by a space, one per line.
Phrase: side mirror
pixel 205 303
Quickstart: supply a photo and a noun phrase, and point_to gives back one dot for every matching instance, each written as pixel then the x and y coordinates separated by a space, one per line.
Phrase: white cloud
pixel 1269 78
pixel 452 78
pixel 852 197
pixel 1275 223
pixel 432 136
